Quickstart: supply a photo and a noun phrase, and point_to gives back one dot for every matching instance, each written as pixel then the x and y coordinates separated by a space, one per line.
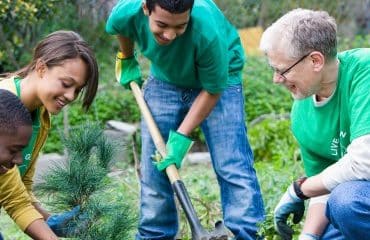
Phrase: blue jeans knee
pixel 348 209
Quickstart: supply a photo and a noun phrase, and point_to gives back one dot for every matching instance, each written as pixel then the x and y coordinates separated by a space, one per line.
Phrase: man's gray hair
pixel 300 32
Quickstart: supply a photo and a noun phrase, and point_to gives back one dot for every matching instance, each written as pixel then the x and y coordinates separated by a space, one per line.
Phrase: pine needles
pixel 83 181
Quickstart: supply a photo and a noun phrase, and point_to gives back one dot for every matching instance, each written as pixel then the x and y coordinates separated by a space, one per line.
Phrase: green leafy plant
pixel 21 23
pixel 272 140
pixel 83 182
pixel 261 95
pixel 274 180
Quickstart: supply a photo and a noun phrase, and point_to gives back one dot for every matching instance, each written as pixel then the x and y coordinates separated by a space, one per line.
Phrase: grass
pixel 203 189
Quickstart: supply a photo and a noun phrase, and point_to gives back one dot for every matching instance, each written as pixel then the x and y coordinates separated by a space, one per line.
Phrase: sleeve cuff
pixel 27 216
pixel 331 176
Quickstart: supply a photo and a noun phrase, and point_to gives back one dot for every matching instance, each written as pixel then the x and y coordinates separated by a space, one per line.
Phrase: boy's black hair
pixel 172 6
pixel 13 113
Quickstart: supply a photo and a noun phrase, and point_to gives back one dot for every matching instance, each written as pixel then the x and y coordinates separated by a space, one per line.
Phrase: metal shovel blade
pixel 219 233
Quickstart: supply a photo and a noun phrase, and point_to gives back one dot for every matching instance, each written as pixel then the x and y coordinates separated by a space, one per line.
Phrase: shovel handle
pixel 198 232
pixel 171 170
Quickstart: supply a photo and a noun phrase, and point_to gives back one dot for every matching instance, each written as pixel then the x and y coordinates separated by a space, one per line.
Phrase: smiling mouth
pixel 162 40
pixel 60 103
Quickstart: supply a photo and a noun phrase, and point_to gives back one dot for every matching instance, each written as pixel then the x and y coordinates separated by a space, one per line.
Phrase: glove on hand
pixel 59 223
pixel 290 203
pixel 127 70
pixel 177 147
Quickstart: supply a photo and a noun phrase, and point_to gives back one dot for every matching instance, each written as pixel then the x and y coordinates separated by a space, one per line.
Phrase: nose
pixel 277 78
pixel 170 34
pixel 18 159
pixel 70 95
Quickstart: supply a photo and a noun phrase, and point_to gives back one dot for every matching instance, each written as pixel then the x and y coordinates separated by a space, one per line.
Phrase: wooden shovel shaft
pixel 171 170
pixel 198 232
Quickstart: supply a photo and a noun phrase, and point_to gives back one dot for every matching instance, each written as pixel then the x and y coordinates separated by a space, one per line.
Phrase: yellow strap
pixel 120 55
pixel 118 69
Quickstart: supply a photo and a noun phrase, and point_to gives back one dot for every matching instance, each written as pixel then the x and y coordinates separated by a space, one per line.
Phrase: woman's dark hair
pixel 59 46
pixel 172 6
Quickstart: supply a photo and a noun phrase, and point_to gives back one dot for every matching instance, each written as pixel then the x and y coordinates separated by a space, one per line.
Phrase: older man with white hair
pixel 331 121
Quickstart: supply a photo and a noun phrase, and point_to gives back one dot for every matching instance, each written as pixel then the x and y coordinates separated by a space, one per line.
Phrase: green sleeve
pixel 212 66
pixel 122 18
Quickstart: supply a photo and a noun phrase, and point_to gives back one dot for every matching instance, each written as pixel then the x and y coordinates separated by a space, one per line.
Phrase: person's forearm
pixel 202 106
pixel 315 221
pixel 354 165
pixel 313 186
pixel 39 230
pixel 126 46
pixel 45 214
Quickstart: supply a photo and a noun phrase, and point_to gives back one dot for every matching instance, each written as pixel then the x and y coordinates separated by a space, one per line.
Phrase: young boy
pixel 15 133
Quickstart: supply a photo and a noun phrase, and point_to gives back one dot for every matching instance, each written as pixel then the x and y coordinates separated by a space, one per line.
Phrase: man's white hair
pixel 300 31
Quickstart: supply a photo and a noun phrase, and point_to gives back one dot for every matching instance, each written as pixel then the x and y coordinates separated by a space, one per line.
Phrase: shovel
pixel 197 231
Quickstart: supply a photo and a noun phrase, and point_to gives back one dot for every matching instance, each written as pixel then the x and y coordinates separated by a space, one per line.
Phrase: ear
pixel 145 8
pixel 317 60
pixel 40 68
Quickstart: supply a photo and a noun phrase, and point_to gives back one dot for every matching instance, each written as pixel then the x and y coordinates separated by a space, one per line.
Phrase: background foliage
pixel 352 16
pixel 24 22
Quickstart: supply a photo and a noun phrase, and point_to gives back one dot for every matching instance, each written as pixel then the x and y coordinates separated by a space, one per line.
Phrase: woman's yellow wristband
pixel 120 55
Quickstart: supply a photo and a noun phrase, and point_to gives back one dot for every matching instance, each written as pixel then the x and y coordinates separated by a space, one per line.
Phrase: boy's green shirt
pixel 208 55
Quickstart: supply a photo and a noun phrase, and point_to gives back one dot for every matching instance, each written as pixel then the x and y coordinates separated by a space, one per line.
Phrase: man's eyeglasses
pixel 290 68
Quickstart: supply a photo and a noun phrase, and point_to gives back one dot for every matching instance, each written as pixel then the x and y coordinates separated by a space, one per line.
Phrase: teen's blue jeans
pixel 348 210
pixel 232 159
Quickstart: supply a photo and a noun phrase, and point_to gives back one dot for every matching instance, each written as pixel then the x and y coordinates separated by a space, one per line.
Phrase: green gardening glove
pixel 177 147
pixel 127 70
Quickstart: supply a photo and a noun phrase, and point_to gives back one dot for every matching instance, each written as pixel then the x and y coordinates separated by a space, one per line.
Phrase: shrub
pixel 82 181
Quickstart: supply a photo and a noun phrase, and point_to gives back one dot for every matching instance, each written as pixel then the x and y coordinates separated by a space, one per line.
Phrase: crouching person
pixel 15 133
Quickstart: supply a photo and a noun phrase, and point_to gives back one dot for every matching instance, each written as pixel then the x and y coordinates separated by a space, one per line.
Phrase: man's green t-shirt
pixel 208 55
pixel 324 132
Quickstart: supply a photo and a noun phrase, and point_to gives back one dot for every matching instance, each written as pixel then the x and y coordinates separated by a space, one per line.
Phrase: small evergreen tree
pixel 82 181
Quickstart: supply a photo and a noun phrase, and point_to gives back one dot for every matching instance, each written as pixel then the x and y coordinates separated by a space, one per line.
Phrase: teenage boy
pixel 195 80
